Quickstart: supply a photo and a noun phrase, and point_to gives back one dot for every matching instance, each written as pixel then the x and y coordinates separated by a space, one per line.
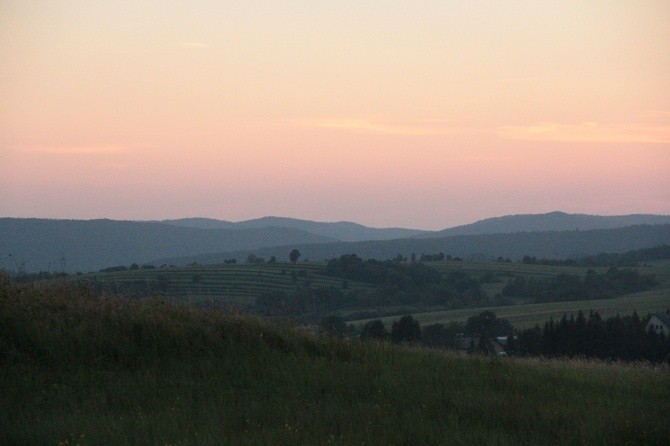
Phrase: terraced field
pixel 225 283
pixel 240 284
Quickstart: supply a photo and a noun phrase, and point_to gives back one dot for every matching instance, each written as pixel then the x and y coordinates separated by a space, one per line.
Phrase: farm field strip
pixel 502 268
pixel 528 315
pixel 234 283
pixel 230 282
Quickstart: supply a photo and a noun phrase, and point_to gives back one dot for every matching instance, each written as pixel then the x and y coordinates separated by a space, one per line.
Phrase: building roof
pixel 663 317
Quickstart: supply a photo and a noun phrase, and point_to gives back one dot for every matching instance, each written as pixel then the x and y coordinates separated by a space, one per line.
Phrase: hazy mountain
pixel 553 221
pixel 201 223
pixel 343 231
pixel 549 244
pixel 86 245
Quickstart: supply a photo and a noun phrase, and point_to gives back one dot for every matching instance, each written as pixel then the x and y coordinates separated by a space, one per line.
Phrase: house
pixel 660 323
pixel 468 344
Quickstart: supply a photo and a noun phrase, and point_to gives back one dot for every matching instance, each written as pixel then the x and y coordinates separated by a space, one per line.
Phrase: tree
pixel 487 325
pixel 406 329
pixel 294 256
pixel 253 258
pixel 333 326
pixel 374 330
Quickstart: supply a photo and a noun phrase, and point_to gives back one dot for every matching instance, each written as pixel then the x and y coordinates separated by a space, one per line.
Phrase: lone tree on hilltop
pixel 294 256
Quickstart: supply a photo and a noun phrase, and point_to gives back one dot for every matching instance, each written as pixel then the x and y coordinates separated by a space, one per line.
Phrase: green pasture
pixel 240 284
pixel 504 269
pixel 528 315
pixel 227 283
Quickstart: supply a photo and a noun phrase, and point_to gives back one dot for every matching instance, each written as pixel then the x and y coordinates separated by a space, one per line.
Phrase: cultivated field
pixel 226 283
pixel 528 315
pixel 240 284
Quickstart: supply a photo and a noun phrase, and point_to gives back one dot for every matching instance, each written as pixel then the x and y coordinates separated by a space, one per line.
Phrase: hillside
pixel 342 231
pixel 552 221
pixel 76 369
pixel 86 245
pixel 552 245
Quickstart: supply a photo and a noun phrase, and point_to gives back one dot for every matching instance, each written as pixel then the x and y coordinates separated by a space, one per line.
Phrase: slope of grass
pixel 90 370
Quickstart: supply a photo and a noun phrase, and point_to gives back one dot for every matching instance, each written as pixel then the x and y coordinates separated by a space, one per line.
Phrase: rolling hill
pixel 342 231
pixel 549 244
pixel 86 245
pixel 552 221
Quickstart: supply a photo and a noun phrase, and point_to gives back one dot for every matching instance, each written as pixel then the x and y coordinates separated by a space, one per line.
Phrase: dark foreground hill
pixel 87 245
pixel 550 245
pixel 78 369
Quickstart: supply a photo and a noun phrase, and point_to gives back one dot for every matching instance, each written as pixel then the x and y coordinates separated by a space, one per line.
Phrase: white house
pixel 660 323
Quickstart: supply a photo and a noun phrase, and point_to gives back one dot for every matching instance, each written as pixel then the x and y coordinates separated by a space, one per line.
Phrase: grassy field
pixel 240 284
pixel 228 283
pixel 77 369
pixel 528 315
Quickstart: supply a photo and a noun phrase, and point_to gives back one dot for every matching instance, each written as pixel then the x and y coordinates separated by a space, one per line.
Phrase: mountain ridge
pixel 83 245
pixel 342 230
pixel 547 244
pixel 551 221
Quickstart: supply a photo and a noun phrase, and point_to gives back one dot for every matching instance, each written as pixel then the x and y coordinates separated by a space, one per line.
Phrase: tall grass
pixel 84 369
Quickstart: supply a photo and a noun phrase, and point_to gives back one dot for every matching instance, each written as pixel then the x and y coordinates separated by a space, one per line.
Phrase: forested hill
pixel 549 244
pixel 552 221
pixel 353 232
pixel 88 245
pixel 343 230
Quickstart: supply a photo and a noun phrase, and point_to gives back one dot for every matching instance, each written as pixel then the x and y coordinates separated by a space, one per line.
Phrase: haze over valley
pixel 88 245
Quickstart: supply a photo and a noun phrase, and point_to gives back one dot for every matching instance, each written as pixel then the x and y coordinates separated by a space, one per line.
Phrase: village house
pixel 660 323
pixel 468 344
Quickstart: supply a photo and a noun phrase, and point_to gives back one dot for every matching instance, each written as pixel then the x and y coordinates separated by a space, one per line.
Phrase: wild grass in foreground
pixel 90 370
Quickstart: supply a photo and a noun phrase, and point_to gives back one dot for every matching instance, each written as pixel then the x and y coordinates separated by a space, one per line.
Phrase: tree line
pixel 563 287
pixel 616 338
pixel 623 259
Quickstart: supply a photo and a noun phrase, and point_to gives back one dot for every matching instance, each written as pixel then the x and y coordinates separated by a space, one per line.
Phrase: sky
pixel 423 114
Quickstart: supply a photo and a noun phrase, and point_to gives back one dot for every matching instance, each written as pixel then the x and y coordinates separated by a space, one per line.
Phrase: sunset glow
pixel 424 115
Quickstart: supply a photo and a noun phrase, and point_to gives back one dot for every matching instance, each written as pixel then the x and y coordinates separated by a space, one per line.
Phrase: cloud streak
pixel 74 150
pixel 588 132
pixel 192 45
pixel 428 127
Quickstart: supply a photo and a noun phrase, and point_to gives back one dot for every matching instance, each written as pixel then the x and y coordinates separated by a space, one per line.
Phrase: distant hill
pixel 548 244
pixel 88 245
pixel 343 230
pixel 353 232
pixel 553 221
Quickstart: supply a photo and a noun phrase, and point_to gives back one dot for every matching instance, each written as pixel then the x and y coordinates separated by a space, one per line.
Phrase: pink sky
pixel 421 115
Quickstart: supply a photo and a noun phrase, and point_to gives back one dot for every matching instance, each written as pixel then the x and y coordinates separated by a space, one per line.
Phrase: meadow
pixel 240 284
pixel 528 315
pixel 78 368
pixel 223 284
